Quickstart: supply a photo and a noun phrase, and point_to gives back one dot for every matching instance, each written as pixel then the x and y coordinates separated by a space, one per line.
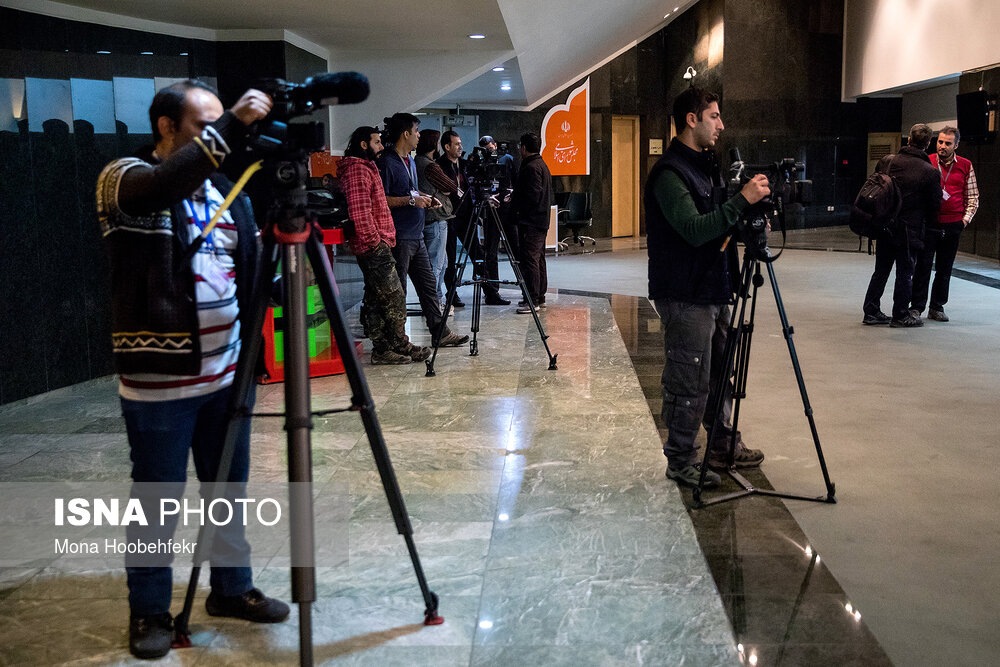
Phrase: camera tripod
pixel 483 213
pixel 736 363
pixel 292 229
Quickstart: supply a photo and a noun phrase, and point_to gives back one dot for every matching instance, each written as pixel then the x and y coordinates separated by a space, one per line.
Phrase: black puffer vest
pixel 678 270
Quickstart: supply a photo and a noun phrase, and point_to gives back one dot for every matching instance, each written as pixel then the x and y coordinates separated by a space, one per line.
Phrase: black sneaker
pixel 876 318
pixel 497 301
pixel 937 315
pixel 150 636
pixel 907 320
pixel 691 475
pixel 251 606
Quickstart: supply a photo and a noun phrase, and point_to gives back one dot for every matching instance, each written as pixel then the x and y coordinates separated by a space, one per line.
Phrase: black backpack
pixel 877 204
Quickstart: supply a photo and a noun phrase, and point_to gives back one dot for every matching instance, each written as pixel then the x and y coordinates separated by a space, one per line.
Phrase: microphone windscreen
pixel 336 88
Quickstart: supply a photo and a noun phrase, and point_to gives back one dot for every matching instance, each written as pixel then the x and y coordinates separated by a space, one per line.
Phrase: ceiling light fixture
pixel 183 53
pixel 145 53
pixel 477 36
pixel 104 52
pixel 505 87
pixel 498 69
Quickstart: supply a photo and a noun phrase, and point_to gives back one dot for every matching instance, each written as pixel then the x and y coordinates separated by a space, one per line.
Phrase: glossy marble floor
pixel 542 516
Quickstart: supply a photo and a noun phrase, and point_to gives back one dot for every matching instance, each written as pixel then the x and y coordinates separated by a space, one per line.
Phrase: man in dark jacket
pixel 531 203
pixel 693 271
pixel 177 321
pixel 920 187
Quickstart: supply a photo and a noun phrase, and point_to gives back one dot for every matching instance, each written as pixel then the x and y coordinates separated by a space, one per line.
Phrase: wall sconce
pixel 690 74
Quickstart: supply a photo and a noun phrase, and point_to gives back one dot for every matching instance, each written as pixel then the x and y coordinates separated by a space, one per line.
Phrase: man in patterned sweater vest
pixel 177 333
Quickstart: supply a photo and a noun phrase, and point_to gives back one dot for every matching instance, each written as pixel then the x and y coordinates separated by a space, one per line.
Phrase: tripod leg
pixel 788 330
pixel 463 259
pixel 515 267
pixel 361 400
pixel 238 410
pixel 298 424
pixel 729 355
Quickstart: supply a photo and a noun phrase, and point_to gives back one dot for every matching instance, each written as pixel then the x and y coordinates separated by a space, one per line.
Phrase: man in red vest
pixel 959 202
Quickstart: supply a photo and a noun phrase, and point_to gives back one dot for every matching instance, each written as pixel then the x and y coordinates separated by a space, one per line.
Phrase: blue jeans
pixel 436 241
pixel 160 434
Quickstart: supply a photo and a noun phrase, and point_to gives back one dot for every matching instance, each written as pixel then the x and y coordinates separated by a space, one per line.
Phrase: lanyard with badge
pixel 944 179
pixel 213 271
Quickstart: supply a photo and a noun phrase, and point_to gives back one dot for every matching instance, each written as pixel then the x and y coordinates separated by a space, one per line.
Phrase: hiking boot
pixel 743 457
pixel 251 606
pixel 691 475
pixel 907 320
pixel 937 315
pixel 390 358
pixel 415 352
pixel 150 636
pixel 453 340
pixel 876 318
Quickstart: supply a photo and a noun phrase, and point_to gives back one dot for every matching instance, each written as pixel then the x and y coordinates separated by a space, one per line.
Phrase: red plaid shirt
pixel 366 205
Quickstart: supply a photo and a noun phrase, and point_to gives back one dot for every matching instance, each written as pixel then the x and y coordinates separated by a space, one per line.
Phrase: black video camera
pixel 752 225
pixel 291 100
pixel 484 172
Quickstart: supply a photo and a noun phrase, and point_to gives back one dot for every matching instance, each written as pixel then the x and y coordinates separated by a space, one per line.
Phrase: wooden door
pixel 624 176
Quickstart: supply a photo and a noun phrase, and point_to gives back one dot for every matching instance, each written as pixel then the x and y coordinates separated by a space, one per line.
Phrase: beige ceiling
pixel 553 41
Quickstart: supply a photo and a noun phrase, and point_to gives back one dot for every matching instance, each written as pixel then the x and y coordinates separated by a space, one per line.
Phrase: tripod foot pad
pixel 433 618
pixel 182 639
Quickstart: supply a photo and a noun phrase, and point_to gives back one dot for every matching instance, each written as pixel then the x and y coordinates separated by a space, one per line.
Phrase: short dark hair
pixel 485 140
pixel 170 102
pixel 428 142
pixel 399 123
pixel 948 129
pixel 354 147
pixel 448 136
pixel 693 100
pixel 920 136
pixel 531 142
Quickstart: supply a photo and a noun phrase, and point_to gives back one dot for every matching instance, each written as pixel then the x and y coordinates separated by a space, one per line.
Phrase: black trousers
pixel 940 248
pixel 891 250
pixel 532 259
pixel 458 228
pixel 491 246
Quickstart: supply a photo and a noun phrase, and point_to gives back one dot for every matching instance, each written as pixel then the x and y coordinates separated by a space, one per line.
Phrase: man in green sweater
pixel 693 274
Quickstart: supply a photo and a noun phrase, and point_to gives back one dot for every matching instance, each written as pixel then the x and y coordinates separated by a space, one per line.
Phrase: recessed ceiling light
pixel 104 52
pixel 477 36
pixel 505 86
pixel 145 53
pixel 676 8
pixel 498 69
pixel 183 53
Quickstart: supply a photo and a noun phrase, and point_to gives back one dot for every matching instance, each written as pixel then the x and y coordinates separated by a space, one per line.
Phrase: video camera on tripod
pixel 754 222
pixel 484 172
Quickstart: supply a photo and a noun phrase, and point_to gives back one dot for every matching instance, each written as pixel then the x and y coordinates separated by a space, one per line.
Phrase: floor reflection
pixel 785 606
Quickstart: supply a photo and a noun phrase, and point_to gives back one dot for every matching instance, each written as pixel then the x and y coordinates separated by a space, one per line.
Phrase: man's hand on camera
pixel 756 189
pixel 253 106
pixel 423 201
